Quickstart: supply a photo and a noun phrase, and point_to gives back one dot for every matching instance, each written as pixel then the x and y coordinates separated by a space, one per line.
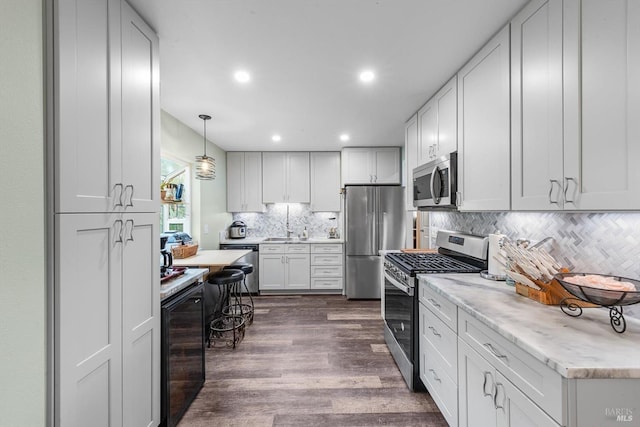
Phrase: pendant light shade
pixel 205 165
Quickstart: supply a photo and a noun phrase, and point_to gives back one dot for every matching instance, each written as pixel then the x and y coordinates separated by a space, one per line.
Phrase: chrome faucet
pixel 289 231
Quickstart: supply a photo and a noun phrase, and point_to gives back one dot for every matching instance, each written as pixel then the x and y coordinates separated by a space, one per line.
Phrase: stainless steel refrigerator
pixel 374 221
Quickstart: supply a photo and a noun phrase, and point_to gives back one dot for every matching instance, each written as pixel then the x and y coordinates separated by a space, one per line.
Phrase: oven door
pixel 399 312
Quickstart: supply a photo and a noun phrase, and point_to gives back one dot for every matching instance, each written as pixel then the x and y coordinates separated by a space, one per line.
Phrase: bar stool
pixel 247 310
pixel 228 327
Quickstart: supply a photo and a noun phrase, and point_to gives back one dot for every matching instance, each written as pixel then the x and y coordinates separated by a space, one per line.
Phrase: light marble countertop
pixel 211 258
pixel 175 285
pixel 575 347
pixel 258 240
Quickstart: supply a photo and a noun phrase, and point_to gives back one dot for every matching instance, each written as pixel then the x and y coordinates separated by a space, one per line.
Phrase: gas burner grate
pixel 430 263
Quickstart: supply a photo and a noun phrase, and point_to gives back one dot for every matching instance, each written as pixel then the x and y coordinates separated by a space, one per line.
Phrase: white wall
pixel 209 205
pixel 22 246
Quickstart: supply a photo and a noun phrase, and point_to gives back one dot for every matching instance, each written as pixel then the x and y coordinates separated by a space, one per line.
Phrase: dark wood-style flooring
pixel 309 361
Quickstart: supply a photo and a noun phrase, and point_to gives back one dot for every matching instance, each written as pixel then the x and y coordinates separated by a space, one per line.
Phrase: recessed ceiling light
pixel 242 76
pixel 367 76
pixel 344 137
pixel 276 138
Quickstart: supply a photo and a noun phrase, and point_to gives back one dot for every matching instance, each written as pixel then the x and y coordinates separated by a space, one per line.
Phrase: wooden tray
pixel 184 251
pixel 176 271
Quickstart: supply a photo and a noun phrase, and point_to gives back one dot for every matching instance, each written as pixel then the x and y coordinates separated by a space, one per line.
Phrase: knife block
pixel 551 293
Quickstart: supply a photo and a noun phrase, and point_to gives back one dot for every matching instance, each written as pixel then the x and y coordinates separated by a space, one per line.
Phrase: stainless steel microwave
pixel 435 184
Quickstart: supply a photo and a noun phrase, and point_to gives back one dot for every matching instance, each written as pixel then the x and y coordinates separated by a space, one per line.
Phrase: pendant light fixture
pixel 205 165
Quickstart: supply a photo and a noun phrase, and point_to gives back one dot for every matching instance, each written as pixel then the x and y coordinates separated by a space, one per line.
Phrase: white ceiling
pixel 304 57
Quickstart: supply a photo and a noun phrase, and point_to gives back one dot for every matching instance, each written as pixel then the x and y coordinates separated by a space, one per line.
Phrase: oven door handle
pixel 404 288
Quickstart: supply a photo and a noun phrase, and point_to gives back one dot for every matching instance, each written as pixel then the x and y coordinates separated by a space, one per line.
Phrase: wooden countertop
pixel 211 258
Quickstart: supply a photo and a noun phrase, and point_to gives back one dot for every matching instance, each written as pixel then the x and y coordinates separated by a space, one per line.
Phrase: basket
pixel 184 251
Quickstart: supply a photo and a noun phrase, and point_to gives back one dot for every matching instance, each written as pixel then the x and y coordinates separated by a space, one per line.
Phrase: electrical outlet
pixel 206 229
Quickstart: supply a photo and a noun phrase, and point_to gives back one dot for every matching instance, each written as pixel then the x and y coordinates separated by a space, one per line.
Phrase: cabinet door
pixel 476 388
pixel 536 105
pixel 447 105
pixel 274 176
pixel 428 132
pixel 297 187
pixel 356 166
pixel 602 76
pixel 411 157
pixel 252 184
pixel 298 271
pixel 235 182
pixel 140 114
pixel 88 329
pixel 483 128
pixel 515 409
pixel 272 272
pixel 386 165
pixel 87 90
pixel 141 320
pixel 325 182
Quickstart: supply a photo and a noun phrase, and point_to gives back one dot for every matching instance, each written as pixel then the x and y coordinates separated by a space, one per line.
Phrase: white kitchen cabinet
pixel 371 166
pixel 438 127
pixel 487 398
pixel 602 105
pixel 411 157
pixel 244 182
pixel 327 271
pixel 284 267
pixel 285 177
pixel 107 111
pixel 108 331
pixel 325 181
pixel 106 193
pixel 484 128
pixel 536 101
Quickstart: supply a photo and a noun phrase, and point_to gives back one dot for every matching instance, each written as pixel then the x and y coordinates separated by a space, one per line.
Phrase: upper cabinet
pixel 537 168
pixel 285 177
pixel 411 157
pixel 107 92
pixel 575 71
pixel 244 182
pixel 438 132
pixel 602 104
pixel 371 165
pixel 325 181
pixel 483 128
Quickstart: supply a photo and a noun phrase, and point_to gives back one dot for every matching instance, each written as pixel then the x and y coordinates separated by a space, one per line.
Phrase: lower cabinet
pixel 107 328
pixel 488 398
pixel 284 267
pixel 301 267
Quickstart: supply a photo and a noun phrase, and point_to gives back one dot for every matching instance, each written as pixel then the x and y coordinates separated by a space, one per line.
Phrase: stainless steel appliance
pixel 237 230
pixel 252 258
pixel 183 371
pixel 435 184
pixel 374 221
pixel 457 253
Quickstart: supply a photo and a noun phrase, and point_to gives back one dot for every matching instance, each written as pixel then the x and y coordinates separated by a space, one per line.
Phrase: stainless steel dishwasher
pixel 251 258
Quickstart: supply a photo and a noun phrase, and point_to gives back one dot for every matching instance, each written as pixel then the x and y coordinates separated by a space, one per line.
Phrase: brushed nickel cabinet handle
pixel 119 239
pixel 566 188
pixel 120 196
pixel 551 181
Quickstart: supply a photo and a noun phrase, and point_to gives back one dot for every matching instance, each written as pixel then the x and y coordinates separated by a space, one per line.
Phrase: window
pixel 175 215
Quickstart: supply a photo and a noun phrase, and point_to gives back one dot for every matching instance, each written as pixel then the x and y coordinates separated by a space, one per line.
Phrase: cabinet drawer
pixel 539 382
pixel 326 271
pixel 328 259
pixel 439 340
pixel 272 249
pixel 442 307
pixel 441 387
pixel 327 283
pixel 297 249
pixel 327 248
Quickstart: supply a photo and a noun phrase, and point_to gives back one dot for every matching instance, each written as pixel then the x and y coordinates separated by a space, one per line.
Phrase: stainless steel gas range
pixel 457 253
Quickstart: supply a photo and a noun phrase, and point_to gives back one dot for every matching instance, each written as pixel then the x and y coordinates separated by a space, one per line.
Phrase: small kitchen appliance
pixel 457 253
pixel 237 230
pixel 435 184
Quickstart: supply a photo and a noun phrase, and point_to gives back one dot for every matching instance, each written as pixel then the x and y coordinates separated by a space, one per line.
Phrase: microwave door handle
pixel 434 196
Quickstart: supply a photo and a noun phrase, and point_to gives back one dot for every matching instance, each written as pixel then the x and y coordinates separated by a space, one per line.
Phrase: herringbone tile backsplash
pixel 606 243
